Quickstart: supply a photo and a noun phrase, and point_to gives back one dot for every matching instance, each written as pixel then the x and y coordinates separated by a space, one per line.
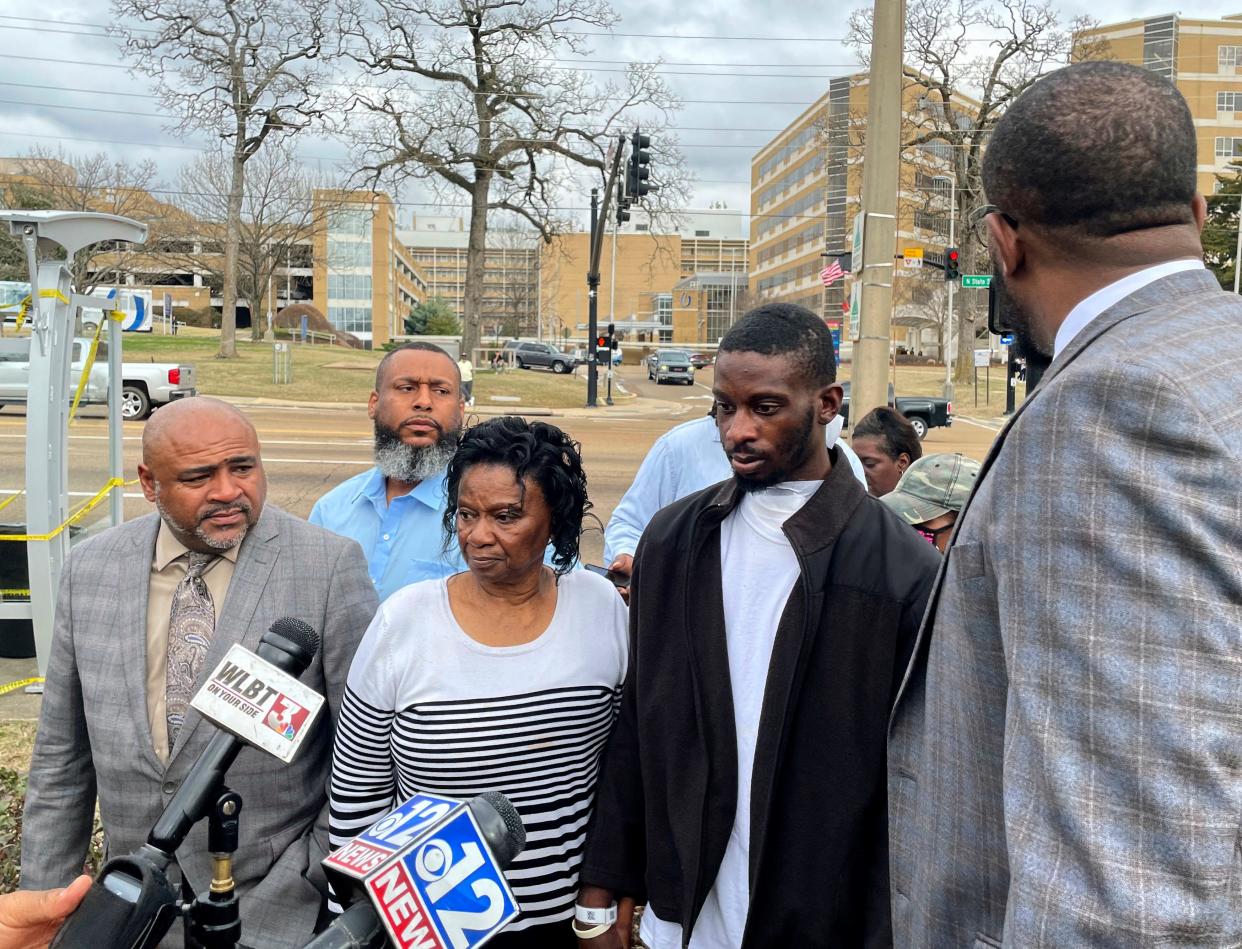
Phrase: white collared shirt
pixel 1091 307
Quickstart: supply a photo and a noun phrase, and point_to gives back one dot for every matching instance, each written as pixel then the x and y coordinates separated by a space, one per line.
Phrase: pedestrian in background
pixel 1064 754
pixel 886 444
pixel 932 492
pixel 466 368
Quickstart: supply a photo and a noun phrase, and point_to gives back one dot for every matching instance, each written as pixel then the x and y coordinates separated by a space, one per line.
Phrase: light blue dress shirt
pixel 683 460
pixel 403 541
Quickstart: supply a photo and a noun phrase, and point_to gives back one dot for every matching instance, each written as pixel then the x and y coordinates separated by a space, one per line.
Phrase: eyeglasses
pixel 930 534
pixel 978 221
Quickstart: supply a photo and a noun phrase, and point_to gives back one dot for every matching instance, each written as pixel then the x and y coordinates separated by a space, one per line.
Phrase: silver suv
pixel 528 354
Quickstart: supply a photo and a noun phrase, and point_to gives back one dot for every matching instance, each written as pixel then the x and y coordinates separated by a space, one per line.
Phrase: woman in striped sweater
pixel 505 677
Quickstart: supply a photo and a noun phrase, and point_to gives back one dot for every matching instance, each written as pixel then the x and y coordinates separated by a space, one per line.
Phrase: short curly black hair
pixel 1095 149
pixel 529 449
pixel 786 329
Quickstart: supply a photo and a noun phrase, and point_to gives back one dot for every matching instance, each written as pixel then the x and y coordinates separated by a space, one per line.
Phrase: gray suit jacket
pixel 1065 757
pixel 94 736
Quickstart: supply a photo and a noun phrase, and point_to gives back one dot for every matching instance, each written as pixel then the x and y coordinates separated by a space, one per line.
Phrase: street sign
pixel 856 248
pixel 976 281
pixel 983 358
pixel 1006 339
pixel 855 309
pixel 913 257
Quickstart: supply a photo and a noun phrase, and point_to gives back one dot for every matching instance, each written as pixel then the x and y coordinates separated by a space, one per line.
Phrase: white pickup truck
pixel 144 386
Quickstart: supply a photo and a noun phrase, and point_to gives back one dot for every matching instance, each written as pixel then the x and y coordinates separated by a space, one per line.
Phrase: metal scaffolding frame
pixel 54 314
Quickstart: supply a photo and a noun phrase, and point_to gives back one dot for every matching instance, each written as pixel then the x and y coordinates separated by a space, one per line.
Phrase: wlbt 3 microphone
pixel 255 698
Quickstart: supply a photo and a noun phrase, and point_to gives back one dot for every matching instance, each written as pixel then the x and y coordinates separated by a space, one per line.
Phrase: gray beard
pixel 412 463
pixel 215 543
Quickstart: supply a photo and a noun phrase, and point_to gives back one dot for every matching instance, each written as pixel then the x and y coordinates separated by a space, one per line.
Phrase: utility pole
pixel 599 222
pixel 879 207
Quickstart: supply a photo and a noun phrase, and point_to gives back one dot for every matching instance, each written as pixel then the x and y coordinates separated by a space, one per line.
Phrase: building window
pixel 354 221
pixel 1229 56
pixel 1228 102
pixel 1160 46
pixel 702 233
pixel 640 227
pixel 1228 147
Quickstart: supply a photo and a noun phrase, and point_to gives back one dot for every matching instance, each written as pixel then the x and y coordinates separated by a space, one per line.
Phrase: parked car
pixel 144 385
pixel 924 412
pixel 671 365
pixel 702 360
pixel 528 354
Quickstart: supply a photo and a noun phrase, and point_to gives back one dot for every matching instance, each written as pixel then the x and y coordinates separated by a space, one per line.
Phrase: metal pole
pixel 879 205
pixel 1237 259
pixel 612 280
pixel 948 335
pixel 592 309
pixel 116 441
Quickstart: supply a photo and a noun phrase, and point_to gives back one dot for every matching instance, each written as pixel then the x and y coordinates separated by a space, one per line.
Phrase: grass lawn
pixel 330 373
pixel 16 743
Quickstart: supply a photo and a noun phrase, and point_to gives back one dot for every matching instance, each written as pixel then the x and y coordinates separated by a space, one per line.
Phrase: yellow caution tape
pixel 24 306
pixel 20 684
pixel 9 500
pixel 4 593
pixel 76 515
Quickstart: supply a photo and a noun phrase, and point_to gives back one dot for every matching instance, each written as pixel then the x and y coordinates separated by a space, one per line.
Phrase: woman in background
pixel 887 445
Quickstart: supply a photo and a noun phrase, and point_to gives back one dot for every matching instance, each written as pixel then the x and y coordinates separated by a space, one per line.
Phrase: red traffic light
pixel 953 256
pixel 601 342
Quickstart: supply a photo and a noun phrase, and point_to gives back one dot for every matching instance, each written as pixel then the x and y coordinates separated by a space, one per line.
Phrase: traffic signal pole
pixel 598 217
pixel 593 307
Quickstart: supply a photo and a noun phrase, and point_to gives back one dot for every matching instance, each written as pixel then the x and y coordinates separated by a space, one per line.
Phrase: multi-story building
pixel 365 281
pixel 650 268
pixel 1203 58
pixel 510 276
pixel 806 188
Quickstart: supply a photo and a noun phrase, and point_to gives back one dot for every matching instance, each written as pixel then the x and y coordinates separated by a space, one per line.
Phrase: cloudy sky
pixel 743 70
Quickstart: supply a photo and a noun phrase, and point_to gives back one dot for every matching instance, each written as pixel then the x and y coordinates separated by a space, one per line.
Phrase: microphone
pixel 289 645
pixel 432 876
pixel 131 904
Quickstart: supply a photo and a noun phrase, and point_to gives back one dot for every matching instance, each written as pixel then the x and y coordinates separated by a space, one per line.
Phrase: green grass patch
pixel 331 373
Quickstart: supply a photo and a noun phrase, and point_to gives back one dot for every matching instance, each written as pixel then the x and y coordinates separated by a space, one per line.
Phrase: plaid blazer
pixel 1065 756
pixel 94 737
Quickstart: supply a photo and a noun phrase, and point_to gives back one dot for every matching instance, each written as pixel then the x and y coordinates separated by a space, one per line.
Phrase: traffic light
pixel 637 171
pixel 623 204
pixel 952 263
pixel 601 341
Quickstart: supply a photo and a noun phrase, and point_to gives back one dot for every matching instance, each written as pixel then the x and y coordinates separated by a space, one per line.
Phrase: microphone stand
pixel 212 920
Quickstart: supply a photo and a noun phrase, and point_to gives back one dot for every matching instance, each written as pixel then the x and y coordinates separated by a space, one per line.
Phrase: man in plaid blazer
pixel 1065 756
pixel 103 727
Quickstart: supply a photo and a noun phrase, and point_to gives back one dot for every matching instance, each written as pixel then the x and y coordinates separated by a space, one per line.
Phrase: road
pixel 308 450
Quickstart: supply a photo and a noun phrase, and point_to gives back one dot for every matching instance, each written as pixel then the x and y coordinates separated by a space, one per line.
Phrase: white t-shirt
pixel 758 570
pixel 428 708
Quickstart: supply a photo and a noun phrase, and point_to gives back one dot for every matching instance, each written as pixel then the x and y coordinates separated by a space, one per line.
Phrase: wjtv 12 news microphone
pixel 427 875
pixel 254 698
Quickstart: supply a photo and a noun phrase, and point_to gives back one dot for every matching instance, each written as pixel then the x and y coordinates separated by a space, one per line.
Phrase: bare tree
pixel 281 204
pixel 963 87
pixel 239 70
pixel 63 181
pixel 467 97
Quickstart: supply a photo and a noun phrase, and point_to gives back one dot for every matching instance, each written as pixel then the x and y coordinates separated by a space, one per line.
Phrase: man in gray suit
pixel 1064 757
pixel 144 612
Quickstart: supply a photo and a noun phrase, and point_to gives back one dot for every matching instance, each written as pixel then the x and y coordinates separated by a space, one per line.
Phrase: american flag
pixel 832 273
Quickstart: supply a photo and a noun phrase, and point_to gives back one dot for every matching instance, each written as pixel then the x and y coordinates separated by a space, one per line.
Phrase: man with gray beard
pixel 144 612
pixel 395 510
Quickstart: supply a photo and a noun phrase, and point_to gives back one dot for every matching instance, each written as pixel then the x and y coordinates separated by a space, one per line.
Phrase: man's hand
pixel 623 565
pixel 29 918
